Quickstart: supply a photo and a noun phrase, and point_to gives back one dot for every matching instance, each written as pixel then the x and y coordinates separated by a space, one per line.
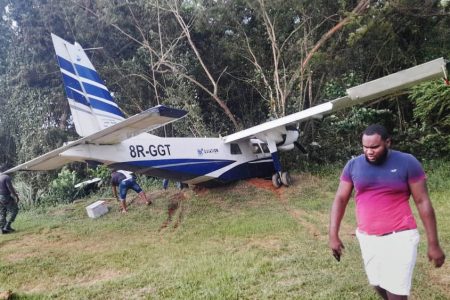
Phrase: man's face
pixel 375 149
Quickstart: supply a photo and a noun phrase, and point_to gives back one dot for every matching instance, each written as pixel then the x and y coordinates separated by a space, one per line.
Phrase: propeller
pixel 300 147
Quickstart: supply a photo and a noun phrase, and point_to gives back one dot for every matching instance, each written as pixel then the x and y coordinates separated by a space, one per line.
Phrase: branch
pixel 359 9
pixel 214 94
pixel 204 88
pixel 270 28
pixel 260 69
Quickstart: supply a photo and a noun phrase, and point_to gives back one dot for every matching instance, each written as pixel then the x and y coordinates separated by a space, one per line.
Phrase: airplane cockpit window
pixel 265 148
pixel 234 148
pixel 255 148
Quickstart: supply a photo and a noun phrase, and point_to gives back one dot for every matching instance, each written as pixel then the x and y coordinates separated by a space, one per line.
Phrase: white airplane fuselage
pixel 200 161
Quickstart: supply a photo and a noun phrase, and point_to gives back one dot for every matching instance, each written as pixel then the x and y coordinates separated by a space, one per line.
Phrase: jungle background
pixel 231 64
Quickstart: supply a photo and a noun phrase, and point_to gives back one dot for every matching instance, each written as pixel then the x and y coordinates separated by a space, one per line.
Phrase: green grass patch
pixel 245 241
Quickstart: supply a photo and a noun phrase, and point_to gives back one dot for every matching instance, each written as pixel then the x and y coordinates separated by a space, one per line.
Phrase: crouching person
pixel 125 181
pixel 8 202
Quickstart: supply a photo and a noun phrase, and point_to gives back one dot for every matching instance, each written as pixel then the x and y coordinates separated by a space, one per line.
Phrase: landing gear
pixel 276 180
pixel 279 178
pixel 283 179
pixel 286 178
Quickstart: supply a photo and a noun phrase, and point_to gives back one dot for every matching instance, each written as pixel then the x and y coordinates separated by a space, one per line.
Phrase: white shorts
pixel 389 260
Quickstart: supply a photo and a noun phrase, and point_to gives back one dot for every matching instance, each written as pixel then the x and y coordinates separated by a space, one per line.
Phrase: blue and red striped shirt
pixel 382 191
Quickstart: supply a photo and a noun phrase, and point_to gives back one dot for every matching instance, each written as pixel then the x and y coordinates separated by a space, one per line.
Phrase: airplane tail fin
pixel 92 106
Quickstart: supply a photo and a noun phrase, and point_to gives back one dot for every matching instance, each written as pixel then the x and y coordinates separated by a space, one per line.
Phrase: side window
pixel 234 149
pixel 265 148
pixel 255 148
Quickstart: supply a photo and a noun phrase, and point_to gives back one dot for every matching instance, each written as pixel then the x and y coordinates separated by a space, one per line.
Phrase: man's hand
pixel 336 246
pixel 436 256
pixel 337 213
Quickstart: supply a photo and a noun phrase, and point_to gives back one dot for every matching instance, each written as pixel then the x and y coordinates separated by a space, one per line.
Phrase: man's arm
pixel 114 189
pixel 419 192
pixel 337 213
pixel 12 190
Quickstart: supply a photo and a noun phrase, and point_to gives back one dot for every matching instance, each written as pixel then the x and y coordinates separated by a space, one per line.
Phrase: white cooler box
pixel 97 209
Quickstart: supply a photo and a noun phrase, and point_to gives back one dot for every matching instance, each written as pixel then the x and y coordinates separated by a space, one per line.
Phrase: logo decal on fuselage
pixel 203 151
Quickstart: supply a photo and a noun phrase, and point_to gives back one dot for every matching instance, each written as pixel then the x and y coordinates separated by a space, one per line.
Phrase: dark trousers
pixel 8 205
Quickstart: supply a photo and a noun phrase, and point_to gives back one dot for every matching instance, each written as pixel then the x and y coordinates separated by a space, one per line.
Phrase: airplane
pixel 110 139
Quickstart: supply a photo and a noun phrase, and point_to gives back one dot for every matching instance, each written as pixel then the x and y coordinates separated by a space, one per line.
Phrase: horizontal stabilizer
pixel 356 95
pixel 145 121
pixel 48 161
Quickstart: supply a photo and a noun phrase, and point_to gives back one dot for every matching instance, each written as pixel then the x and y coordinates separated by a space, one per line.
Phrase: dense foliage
pixel 231 64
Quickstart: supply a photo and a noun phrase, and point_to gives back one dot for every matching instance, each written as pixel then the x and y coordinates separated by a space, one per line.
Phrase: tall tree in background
pixel 152 66
pixel 34 118
pixel 7 148
pixel 302 33
pixel 231 64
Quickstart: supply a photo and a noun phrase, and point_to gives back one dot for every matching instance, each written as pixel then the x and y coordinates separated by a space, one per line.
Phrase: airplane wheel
pixel 276 180
pixel 286 179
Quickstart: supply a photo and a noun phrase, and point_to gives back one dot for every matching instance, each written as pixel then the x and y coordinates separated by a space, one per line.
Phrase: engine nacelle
pixel 289 138
pixel 286 147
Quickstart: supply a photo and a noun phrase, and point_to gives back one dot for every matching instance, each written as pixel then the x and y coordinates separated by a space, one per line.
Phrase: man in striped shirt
pixel 383 180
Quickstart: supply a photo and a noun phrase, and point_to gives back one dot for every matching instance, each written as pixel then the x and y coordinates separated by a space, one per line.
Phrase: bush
pixel 62 189
pixel 29 197
pixel 338 139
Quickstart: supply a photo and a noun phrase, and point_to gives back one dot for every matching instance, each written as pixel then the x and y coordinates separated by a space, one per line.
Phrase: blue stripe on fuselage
pixel 175 169
pixel 186 169
pixel 196 167
pixel 256 168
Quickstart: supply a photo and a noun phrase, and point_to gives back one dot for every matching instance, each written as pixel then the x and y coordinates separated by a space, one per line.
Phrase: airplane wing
pixel 281 122
pixel 356 95
pixel 145 121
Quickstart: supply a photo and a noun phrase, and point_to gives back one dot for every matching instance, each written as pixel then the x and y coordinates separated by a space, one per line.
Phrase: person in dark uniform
pixel 8 202
pixel 125 181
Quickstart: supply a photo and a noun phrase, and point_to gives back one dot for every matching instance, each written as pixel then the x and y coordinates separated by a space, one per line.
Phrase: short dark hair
pixel 377 129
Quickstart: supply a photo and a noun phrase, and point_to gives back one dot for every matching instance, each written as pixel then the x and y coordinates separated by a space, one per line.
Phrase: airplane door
pixel 256 149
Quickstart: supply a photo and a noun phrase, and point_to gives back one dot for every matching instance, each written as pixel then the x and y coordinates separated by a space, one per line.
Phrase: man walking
pixel 384 180
pixel 8 204
pixel 125 181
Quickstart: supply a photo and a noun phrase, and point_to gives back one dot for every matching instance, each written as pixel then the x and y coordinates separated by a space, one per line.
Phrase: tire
pixel 276 180
pixel 286 178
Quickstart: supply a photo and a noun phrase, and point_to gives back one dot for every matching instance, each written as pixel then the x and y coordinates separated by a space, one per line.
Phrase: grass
pixel 246 241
